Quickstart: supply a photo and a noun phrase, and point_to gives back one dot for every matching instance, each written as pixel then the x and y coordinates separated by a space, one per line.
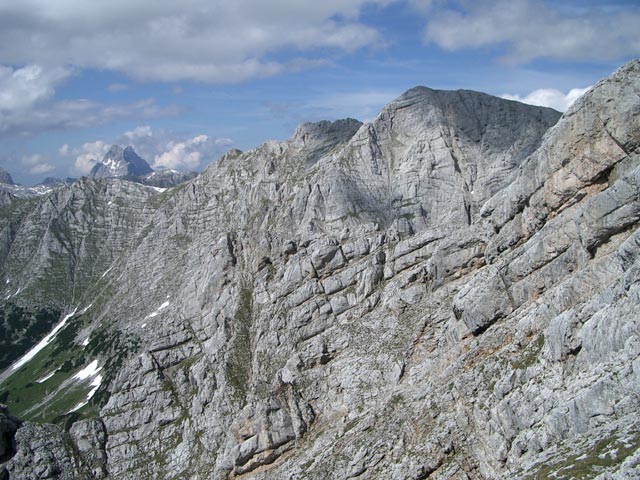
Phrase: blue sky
pixel 182 82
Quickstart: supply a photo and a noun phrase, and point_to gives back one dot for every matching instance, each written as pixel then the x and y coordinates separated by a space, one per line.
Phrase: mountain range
pixel 450 291
pixel 118 162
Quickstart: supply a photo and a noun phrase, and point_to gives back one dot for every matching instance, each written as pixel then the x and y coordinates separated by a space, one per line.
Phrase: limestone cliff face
pixel 449 291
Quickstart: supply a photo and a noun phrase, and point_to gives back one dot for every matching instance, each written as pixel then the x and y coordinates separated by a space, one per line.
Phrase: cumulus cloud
pixel 64 150
pixel 87 155
pixel 142 131
pixel 36 164
pixel 41 168
pixel 50 115
pixel 172 41
pixel 21 88
pixel 24 95
pixel 529 30
pixel 550 97
pixel 188 154
pixel 161 149
pixel 164 149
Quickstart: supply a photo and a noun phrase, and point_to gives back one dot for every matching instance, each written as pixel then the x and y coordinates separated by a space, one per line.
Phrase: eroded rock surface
pixel 449 291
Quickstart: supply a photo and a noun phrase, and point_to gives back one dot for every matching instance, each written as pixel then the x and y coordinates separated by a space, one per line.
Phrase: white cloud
pixel 141 131
pixel 21 88
pixel 49 115
pixel 36 164
pixel 41 168
pixel 87 155
pixel 188 154
pixel 223 142
pixel 550 97
pixel 160 148
pixel 182 40
pixel 530 30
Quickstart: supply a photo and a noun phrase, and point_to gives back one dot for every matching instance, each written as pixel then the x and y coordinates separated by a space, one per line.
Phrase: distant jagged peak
pixel 121 162
pixel 5 177
pixel 55 181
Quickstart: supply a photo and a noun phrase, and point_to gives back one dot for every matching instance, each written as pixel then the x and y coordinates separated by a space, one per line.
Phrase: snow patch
pixel 85 342
pixel 47 376
pixel 158 189
pixel 157 312
pixel 43 343
pixel 87 372
pixel 143 325
pixel 105 273
pixel 95 383
pixel 84 310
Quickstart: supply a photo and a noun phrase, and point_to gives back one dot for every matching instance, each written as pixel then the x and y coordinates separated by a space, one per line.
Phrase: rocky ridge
pixel 448 292
pixel 118 162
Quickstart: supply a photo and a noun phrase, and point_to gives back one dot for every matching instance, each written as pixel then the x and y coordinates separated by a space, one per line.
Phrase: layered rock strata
pixel 448 292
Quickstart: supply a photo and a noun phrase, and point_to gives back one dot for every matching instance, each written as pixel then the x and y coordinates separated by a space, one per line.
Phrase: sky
pixel 183 82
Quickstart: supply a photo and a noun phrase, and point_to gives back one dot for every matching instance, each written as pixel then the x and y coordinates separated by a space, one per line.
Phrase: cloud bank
pixel 550 97
pixel 161 149
pixel 190 40
pixel 28 105
pixel 188 155
pixel 36 164
pixel 528 30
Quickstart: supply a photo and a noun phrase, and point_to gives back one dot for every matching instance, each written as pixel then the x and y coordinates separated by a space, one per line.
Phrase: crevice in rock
pixel 507 288
pixel 616 141
pixel 8 427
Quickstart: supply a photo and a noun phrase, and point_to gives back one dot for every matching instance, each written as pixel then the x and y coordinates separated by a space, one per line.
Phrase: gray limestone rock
pixel 449 291
pixel 44 452
pixel 5 177
pixel 119 162
pixel 8 427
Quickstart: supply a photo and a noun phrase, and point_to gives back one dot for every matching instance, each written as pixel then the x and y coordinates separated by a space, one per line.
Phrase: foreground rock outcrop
pixel 449 292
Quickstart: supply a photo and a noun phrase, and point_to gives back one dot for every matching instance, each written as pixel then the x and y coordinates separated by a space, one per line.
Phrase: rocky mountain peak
pixel 467 112
pixel 121 162
pixel 287 313
pixel 5 177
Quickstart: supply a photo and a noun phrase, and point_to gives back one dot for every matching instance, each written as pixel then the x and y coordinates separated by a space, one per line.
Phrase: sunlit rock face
pixel 450 291
pixel 119 162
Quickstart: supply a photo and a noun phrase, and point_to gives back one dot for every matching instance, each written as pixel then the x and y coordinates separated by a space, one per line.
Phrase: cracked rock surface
pixel 450 291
